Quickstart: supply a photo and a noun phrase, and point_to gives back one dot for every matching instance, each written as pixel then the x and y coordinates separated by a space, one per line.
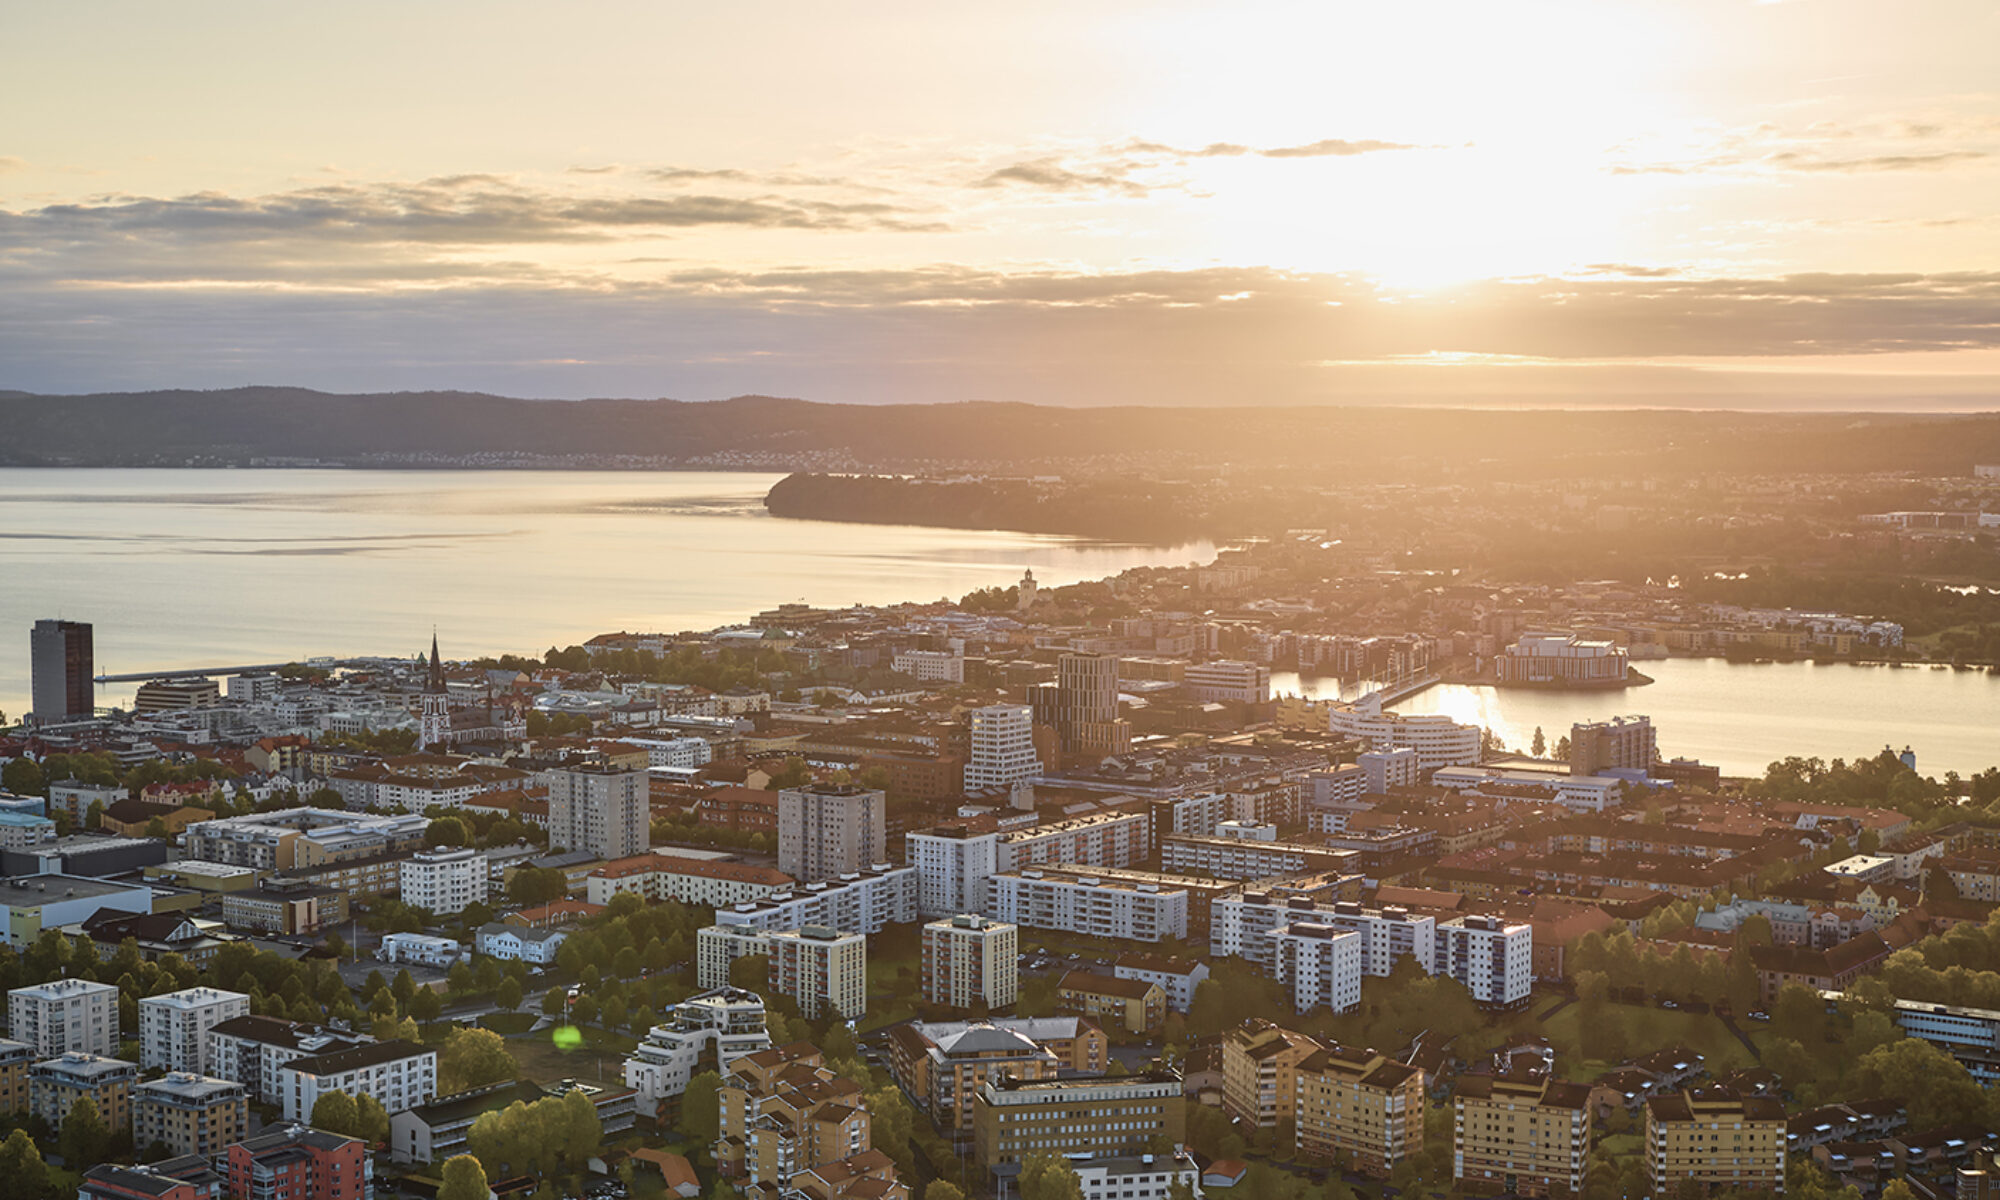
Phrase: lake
pixel 1742 716
pixel 195 568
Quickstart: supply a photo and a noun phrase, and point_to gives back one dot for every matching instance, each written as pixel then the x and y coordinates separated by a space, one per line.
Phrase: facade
pixel 969 960
pixel 169 1179
pixel 15 1059
pixel 56 1084
pixel 1136 1005
pixel 1258 1059
pixel 443 881
pixel 1177 977
pixel 515 943
pixel 822 969
pixel 1716 1138
pixel 434 1132
pixel 1561 660
pixel 1438 740
pixel 173 1027
pixel 295 1162
pixel 1492 958
pixel 830 829
pixel 1246 921
pixel 1003 747
pixel 1102 1115
pixel 724 1025
pixel 287 906
pixel 864 901
pixel 1382 770
pixel 600 809
pixel 717 947
pixel 945 1064
pixel 1622 743
pixel 65 1015
pixel 251 1050
pixel 700 881
pixel 1137 1177
pixel 398 1074
pixel 304 838
pixel 30 903
pixel 1970 1035
pixel 1319 964
pixel 421 948
pixel 1519 1136
pixel 784 1115
pixel 190 1114
pixel 1234 857
pixel 1088 904
pixel 930 666
pixel 952 864
pixel 62 661
pixel 1360 1104
pixel 1227 682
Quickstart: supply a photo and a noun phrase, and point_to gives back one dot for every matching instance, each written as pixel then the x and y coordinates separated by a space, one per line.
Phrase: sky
pixel 1715 203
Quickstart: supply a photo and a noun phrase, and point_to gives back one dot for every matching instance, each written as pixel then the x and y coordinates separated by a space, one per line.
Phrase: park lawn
pixel 1620 1144
pixel 1649 1029
pixel 508 1024
pixel 541 1061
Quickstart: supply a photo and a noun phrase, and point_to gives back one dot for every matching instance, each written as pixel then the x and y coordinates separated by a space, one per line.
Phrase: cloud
pixel 1115 168
pixel 9 163
pixel 1050 175
pixel 1879 162
pixel 1335 148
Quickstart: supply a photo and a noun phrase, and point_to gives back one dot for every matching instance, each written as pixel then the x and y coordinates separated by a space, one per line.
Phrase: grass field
pixel 1648 1028
pixel 602 1055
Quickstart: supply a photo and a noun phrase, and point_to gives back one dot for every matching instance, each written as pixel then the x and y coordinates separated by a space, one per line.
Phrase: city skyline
pixel 1722 203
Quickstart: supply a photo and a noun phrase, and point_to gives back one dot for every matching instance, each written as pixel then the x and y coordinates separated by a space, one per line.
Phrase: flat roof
pixel 33 891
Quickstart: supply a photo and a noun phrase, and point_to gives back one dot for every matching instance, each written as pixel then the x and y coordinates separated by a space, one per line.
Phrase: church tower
pixel 433 720
pixel 1025 597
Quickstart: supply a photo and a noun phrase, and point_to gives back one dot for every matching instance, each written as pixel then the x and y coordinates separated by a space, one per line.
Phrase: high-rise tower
pixel 63 663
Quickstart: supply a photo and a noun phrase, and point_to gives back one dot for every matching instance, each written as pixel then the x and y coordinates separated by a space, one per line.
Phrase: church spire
pixel 435 685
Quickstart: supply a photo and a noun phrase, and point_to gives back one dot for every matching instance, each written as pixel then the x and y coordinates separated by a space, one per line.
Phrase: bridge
pixel 201 672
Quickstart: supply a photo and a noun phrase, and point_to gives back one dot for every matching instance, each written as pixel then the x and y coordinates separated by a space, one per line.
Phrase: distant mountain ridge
pixel 409 429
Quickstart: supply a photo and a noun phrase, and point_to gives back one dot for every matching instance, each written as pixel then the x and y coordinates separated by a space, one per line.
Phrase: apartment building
pixel 1519 1136
pixel 444 881
pixel 831 829
pixel 1622 743
pixel 1493 958
pixel 168 1179
pixel 1970 1035
pixel 1226 682
pixel 1103 1115
pixel 251 1049
pixel 970 960
pixel 1438 740
pixel 1716 1138
pixel 953 864
pixel 821 969
pixel 1359 1104
pixel 1257 1062
pixel 399 1075
pixel 424 949
pixel 1082 706
pixel 56 1084
pixel 173 1026
pixel 944 1064
pixel 717 947
pixel 721 1025
pixel 603 810
pixel 1561 660
pixel 64 1015
pixel 287 906
pixel 296 1162
pixel 1245 922
pixel 863 901
pixel 1231 857
pixel 297 837
pixel 189 1113
pixel 783 1114
pixel 516 943
pixel 435 1132
pixel 31 903
pixel 15 1059
pixel 1137 1176
pixel 1003 747
pixel 703 882
pixel 1135 1005
pixel 1088 904
pixel 1177 977
pixel 930 666
pixel 1382 770
pixel 1320 965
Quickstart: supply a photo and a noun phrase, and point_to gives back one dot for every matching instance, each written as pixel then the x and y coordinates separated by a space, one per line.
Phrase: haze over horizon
pixel 1716 203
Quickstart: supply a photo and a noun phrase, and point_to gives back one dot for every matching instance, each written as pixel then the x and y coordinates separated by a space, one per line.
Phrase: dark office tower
pixel 63 665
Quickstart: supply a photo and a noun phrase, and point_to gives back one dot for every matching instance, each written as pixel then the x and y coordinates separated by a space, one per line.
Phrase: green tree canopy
pixel 463 1179
pixel 473 1058
pixel 336 1112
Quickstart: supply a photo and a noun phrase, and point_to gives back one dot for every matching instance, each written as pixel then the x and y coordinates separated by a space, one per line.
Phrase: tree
pixel 474 1058
pixel 371 1120
pixel 795 773
pixel 1898 1190
pixel 553 1001
pixel 893 1127
pixel 425 1006
pixel 1539 743
pixel 701 1112
pixel 583 1132
pixel 1048 1177
pixel 537 885
pixel 752 972
pixel 336 1112
pixel 459 979
pixel 23 777
pixel 939 1189
pixel 22 1167
pixel 447 831
pixel 85 1139
pixel 464 1179
pixel 508 994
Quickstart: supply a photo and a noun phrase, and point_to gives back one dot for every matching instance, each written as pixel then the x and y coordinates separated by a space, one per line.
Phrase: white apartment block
pixel 861 900
pixel 1343 785
pixel 954 865
pixel 952 868
pixel 1494 960
pixel 252 1049
pixel 717 947
pixel 829 829
pixel 173 1027
pixel 1088 905
pixel 444 881
pixel 1579 793
pixel 1137 1177
pixel 398 1074
pixel 721 1025
pixel 600 809
pixel 1244 922
pixel 930 666
pixel 1003 747
pixel 674 752
pixel 516 943
pixel 968 960
pixel 1438 740
pixel 1227 682
pixel 1200 814
pixel 1248 857
pixel 822 969
pixel 699 881
pixel 65 1015
pixel 423 949
pixel 1319 965
pixel 1178 978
